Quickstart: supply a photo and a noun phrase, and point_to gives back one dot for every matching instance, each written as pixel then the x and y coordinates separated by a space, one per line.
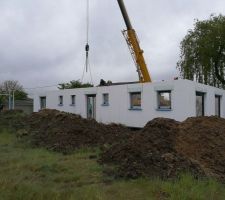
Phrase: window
pixel 217 105
pixel 60 100
pixel 164 100
pixel 42 102
pixel 135 100
pixel 200 108
pixel 105 98
pixel 73 100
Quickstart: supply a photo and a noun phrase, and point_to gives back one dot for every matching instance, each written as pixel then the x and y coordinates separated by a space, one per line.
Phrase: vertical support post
pixel 13 105
pixel 9 100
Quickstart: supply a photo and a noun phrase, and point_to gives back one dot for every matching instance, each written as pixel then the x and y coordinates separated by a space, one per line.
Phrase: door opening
pixel 91 106
pixel 42 103
pixel 218 105
pixel 200 104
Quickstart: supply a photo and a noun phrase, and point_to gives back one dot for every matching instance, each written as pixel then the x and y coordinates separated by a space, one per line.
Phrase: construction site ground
pixel 56 155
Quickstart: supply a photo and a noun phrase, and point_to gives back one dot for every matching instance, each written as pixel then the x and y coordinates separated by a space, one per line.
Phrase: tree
pixel 74 84
pixel 202 55
pixel 11 86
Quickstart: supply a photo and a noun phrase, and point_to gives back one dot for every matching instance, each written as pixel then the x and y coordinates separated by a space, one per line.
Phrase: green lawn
pixel 27 173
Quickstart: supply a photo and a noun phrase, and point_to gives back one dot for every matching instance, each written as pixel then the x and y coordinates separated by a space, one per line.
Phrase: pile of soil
pixel 11 119
pixel 165 147
pixel 151 152
pixel 203 139
pixel 64 132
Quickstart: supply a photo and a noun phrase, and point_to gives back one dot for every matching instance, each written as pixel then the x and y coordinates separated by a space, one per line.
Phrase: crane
pixel 134 46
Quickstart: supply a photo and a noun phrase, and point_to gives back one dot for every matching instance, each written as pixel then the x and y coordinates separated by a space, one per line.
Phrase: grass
pixel 27 173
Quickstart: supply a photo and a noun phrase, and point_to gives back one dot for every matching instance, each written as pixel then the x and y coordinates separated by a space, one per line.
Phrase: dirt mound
pixel 11 119
pixel 65 132
pixel 151 152
pixel 203 139
pixel 163 148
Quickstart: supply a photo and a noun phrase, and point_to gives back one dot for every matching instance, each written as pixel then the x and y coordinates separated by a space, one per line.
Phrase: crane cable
pixel 87 47
pixel 87 36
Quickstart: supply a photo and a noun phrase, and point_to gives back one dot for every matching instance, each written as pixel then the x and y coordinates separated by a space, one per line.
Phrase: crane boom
pixel 134 46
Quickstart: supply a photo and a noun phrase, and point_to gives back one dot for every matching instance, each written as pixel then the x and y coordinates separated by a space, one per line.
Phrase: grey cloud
pixel 42 42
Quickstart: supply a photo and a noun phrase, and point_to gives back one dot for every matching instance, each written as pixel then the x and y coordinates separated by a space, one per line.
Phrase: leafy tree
pixel 202 55
pixel 11 86
pixel 74 84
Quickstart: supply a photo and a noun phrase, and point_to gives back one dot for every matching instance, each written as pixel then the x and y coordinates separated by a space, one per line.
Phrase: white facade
pixel 183 101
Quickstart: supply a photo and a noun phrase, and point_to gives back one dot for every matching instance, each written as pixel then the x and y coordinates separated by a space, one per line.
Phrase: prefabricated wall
pixel 183 101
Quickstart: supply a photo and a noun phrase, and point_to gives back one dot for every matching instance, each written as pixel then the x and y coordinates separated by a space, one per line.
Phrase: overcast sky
pixel 42 41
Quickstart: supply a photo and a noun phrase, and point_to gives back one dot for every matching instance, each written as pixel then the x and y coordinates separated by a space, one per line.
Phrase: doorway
pixel 217 105
pixel 42 103
pixel 200 104
pixel 91 106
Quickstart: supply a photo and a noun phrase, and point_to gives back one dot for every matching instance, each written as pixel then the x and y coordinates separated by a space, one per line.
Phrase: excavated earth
pixel 151 152
pixel 203 139
pixel 163 148
pixel 64 132
pixel 11 120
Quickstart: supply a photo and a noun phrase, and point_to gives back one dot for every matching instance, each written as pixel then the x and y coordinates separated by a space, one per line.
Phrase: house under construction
pixel 137 103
